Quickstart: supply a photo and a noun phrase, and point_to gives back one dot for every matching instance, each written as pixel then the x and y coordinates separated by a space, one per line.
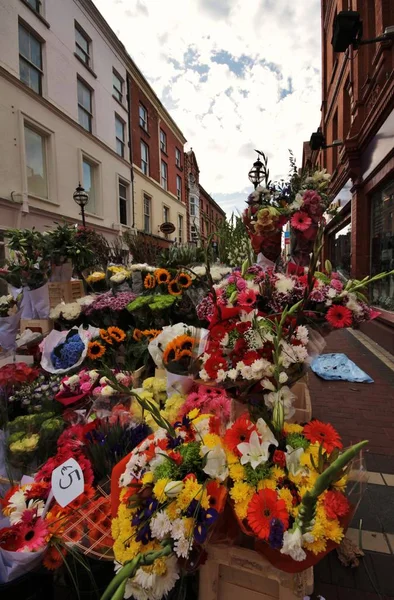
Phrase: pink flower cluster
pixel 80 383
pixel 310 214
pixel 209 400
pixel 110 301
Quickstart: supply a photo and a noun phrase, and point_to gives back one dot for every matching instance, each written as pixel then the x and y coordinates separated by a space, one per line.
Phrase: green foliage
pixel 167 470
pixel 142 247
pixel 296 440
pixel 234 244
pixel 253 476
pixel 181 256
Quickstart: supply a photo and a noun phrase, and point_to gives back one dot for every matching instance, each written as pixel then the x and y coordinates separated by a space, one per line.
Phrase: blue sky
pixel 234 74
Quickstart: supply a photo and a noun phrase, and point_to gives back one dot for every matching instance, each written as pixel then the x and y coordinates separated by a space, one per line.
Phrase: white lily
pixel 254 451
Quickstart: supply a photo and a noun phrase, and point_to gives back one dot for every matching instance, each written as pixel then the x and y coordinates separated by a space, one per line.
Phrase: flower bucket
pixel 8 330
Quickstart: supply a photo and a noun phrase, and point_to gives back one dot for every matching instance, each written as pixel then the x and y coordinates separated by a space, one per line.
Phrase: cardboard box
pixel 68 291
pixel 234 573
pixel 43 326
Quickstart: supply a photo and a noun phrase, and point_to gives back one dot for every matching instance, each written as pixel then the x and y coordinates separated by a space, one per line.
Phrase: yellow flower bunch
pixel 96 276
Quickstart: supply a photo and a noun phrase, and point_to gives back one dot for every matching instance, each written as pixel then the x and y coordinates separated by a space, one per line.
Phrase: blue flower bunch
pixel 67 353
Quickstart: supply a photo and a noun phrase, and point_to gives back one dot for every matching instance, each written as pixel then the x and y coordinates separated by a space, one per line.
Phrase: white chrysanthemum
pixel 56 312
pixel 283 377
pixel 284 284
pixel 302 334
pixel 71 311
pixel 232 374
pixel 178 529
pixel 204 375
pixel 182 547
pixel 160 525
pixel 221 375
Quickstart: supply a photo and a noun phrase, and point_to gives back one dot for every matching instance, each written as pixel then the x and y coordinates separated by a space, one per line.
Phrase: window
pixel 85 106
pixel 119 132
pixel 382 245
pixel 147 214
pixel 123 201
pixel 35 148
pixel 180 229
pixel 144 158
pixel 178 157
pixel 88 170
pixel 166 214
pixel 30 60
pixel 163 141
pixel 164 176
pixel 82 45
pixel 192 206
pixel 143 117
pixel 3 284
pixel 117 86
pixel 179 187
pixel 35 4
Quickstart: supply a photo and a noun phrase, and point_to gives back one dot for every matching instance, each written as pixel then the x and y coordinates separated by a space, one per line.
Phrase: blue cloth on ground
pixel 339 367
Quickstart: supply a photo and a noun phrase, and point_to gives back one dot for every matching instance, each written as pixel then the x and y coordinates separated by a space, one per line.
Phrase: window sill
pixel 85 65
pixel 41 199
pixel 179 167
pixel 164 152
pixel 38 15
pixel 93 216
pixel 119 102
pixel 144 130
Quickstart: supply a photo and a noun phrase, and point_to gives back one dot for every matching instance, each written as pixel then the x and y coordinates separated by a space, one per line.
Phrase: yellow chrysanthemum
pixel 265 484
pixel 277 473
pixel 173 407
pixel 158 490
pixel 193 414
pixel 115 530
pixel 285 494
pixel 340 485
pixel 188 524
pixel 192 490
pixel 241 509
pixel 160 566
pixel 317 546
pixel 241 491
pixel 292 428
pixel 211 440
pixel 297 479
pixel 333 531
pixel 305 459
pixel 172 511
pixel 147 478
pixel 237 471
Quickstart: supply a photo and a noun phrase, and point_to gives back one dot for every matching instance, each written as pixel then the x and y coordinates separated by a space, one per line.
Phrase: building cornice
pixel 134 71
pixel 17 83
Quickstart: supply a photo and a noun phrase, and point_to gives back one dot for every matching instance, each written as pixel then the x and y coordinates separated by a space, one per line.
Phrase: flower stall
pixel 165 429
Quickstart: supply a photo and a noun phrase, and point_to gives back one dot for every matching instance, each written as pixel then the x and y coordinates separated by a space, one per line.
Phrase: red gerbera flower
pixel 300 221
pixel 250 357
pixel 336 504
pixel 216 495
pixel 323 433
pixel 339 316
pixel 214 364
pixel 263 507
pixel 238 433
pixel 247 298
pixel 54 557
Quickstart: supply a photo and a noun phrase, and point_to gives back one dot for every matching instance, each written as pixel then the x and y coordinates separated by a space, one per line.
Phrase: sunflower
pixel 170 352
pixel 185 342
pixel 151 333
pixel 162 276
pixel 137 335
pixel 184 280
pixel 149 282
pixel 95 350
pixel 104 334
pixel 182 353
pixel 117 334
pixel 174 288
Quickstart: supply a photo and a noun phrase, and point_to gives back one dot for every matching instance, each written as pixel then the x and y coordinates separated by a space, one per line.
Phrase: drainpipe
pixel 128 96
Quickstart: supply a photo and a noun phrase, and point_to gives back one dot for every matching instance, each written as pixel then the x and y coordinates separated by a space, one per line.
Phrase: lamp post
pixel 256 173
pixel 81 198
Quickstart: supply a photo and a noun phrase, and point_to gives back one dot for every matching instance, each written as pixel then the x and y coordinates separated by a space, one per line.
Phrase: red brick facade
pixel 210 214
pixel 357 108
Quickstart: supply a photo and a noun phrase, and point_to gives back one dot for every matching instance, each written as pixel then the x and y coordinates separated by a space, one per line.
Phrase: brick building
pixel 358 108
pixel 203 213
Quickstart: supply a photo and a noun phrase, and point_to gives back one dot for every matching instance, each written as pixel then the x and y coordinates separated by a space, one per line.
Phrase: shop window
pixel 382 246
pixel 341 250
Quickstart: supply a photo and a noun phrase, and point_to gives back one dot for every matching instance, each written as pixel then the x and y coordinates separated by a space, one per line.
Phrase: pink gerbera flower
pixel 300 221
pixel 246 299
pixel 339 316
pixel 33 535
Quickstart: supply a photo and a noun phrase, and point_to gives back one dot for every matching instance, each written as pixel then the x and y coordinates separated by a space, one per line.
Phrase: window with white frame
pixel 163 141
pixel 89 172
pixel 164 175
pixel 144 158
pixel 143 115
pixel 120 135
pixel 36 162
pixel 30 59
pixel 178 157
pixel 85 114
pixel 82 45
pixel 117 86
pixel 166 214
pixel 123 201
pixel 192 206
pixel 180 229
pixel 147 213
pixel 179 187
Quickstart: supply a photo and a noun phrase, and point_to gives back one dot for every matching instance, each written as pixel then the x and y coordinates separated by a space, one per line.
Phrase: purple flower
pixel 275 538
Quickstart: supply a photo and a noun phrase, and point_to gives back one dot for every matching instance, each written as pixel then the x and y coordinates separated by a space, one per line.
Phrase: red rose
pixel 243 326
pixel 279 458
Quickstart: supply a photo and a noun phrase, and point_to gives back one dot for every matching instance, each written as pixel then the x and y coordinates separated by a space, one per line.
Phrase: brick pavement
pixel 360 411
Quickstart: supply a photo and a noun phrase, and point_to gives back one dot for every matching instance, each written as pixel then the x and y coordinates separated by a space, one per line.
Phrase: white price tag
pixel 67 482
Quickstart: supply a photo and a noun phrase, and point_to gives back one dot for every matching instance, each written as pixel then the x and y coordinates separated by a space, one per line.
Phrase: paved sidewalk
pixel 362 411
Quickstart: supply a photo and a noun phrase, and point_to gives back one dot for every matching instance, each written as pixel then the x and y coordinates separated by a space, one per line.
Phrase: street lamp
pixel 81 198
pixel 256 173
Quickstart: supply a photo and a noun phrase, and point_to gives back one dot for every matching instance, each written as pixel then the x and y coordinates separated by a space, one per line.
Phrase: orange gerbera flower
pixel 263 507
pixel 184 280
pixel 54 557
pixel 104 334
pixel 95 350
pixel 117 334
pixel 174 289
pixel 323 433
pixel 162 276
pixel 137 335
pixel 149 282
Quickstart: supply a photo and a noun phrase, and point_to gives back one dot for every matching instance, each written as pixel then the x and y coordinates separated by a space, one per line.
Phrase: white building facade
pixel 63 117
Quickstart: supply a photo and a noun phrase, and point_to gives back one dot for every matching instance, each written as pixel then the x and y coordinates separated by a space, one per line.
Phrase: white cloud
pixel 234 75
